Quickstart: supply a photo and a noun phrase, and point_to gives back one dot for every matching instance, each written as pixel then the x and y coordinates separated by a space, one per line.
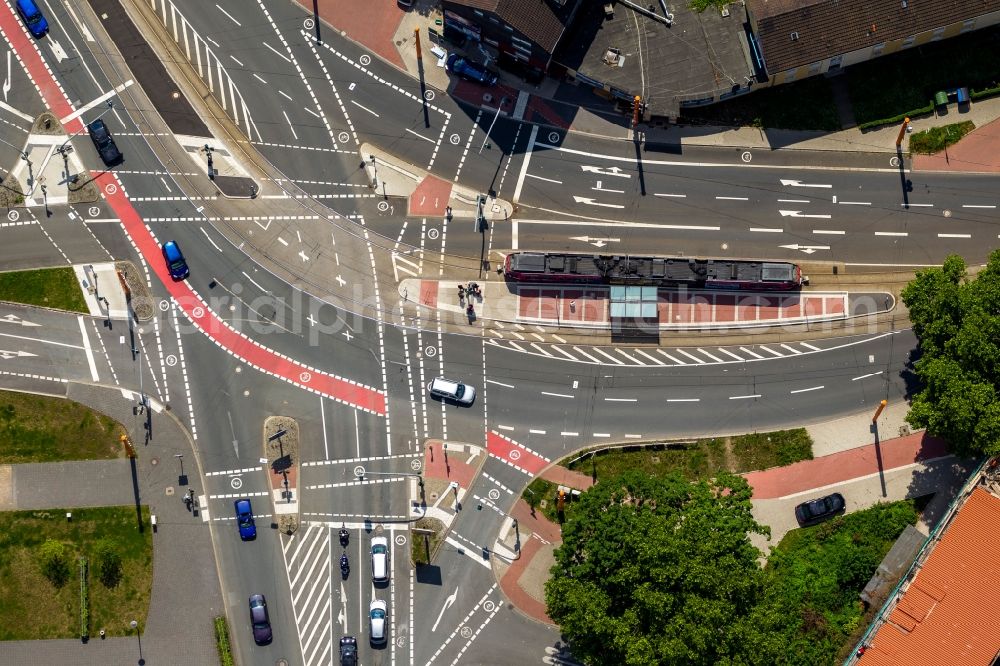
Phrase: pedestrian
pixel 461 294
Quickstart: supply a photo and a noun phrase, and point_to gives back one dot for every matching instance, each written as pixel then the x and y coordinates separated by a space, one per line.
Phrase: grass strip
pixel 222 641
pixel 49 287
pixel 936 139
pixel 35 428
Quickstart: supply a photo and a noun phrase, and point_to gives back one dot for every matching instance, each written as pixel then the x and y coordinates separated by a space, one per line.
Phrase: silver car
pixel 378 619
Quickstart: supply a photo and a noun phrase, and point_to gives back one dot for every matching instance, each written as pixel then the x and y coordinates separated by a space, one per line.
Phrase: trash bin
pixel 962 95
pixel 940 98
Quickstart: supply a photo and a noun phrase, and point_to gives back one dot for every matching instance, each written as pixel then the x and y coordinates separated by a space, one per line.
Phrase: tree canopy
pixel 957 321
pixel 660 570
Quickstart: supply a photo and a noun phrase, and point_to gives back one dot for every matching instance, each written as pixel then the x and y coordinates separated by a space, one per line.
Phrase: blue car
pixel 471 71
pixel 175 260
pixel 33 18
pixel 244 518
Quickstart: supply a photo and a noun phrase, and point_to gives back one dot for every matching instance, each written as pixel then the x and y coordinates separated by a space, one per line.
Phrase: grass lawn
pixel 895 84
pixel 36 428
pixel 937 139
pixel 806 105
pixel 32 608
pixel 418 544
pixel 705 457
pixel 815 574
pixel 51 287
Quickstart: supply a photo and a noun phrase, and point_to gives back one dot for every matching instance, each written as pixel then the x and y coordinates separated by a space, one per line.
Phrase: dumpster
pixel 962 96
pixel 940 98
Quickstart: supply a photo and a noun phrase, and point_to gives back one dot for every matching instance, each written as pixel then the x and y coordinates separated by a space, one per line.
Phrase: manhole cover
pixel 170 491
pixel 154 461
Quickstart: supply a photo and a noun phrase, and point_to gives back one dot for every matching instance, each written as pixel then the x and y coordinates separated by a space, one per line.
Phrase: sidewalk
pixel 898 467
pixel 186 593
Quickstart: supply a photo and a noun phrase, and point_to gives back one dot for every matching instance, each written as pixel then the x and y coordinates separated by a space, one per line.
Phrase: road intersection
pixel 297 305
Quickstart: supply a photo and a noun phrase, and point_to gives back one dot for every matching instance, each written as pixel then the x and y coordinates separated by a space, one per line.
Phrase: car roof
pixel 380 540
pixel 243 505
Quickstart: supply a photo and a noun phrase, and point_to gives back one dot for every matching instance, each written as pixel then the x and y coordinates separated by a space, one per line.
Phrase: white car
pixel 378 618
pixel 380 560
pixel 449 389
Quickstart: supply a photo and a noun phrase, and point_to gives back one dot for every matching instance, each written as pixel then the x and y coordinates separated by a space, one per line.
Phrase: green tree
pixel 54 562
pixel 957 321
pixel 660 570
pixel 109 562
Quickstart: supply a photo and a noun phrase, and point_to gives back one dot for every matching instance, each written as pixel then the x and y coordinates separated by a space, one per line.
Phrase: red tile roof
pixel 826 28
pixel 951 612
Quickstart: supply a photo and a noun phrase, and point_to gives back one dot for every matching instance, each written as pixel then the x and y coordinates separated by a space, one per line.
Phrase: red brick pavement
pixel 566 477
pixel 977 151
pixel 371 24
pixel 853 463
pixel 541 529
pixel 430 198
pixel 452 466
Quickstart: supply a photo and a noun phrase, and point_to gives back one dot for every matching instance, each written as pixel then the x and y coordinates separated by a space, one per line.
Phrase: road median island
pixel 281 449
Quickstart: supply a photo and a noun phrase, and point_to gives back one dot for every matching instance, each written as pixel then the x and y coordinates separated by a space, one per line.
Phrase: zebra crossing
pixel 309 563
pixel 619 356
pixel 207 64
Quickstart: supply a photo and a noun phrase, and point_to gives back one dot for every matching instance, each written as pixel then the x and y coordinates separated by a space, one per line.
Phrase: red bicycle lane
pixel 237 344
pixel 516 455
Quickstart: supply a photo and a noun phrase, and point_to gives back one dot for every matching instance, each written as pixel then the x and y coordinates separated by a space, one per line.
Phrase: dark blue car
pixel 175 260
pixel 471 71
pixel 33 18
pixel 244 518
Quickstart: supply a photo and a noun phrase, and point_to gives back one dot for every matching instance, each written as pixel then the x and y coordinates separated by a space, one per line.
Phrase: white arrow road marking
pixel 808 249
pixel 610 171
pixel 14 319
pixel 6 82
pixel 596 242
pixel 799 213
pixel 447 602
pixel 799 183
pixel 591 202
pixel 57 50
pixel 7 355
pixel 79 24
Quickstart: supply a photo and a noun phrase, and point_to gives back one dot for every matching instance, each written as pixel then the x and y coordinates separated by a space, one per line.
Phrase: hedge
pixel 84 602
pixel 897 119
pixel 222 642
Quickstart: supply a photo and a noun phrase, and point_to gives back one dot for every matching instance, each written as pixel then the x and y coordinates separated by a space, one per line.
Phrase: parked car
pixel 380 560
pixel 449 389
pixel 259 619
pixel 471 71
pixel 377 620
pixel 104 143
pixel 244 518
pixel 348 651
pixel 33 18
pixel 175 260
pixel 818 510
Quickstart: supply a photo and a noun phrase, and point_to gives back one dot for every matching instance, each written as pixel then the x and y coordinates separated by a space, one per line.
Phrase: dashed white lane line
pixel 558 395
pixel 870 374
pixel 807 390
pixel 892 233
pixel 210 239
pixel 628 436
pixel 277 53
pixel 669 196
pixel 536 432
pixel 954 235
pixel 976 206
pixel 683 399
pixel 493 381
pixel 547 180
pixel 365 108
pixel 855 203
pixel 916 205
pixel 829 232
pixel 419 136
pixel 602 435
pixel 570 434
pixel 503 427
pixel 733 198
pixel 744 397
pixel 767 230
pixel 621 400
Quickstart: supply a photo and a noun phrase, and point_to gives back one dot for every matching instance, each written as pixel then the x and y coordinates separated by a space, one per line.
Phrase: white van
pixel 451 390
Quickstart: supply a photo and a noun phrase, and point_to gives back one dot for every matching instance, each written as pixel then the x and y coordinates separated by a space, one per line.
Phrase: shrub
pixel 109 562
pixel 222 642
pixel 54 562
pixel 84 601
pixel 936 139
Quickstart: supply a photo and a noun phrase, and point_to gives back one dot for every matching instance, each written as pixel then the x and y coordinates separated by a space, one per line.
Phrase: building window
pixel 478 12
pixel 969 25
pixel 508 28
pixel 494 20
pixel 518 40
pixel 938 34
pixel 789 76
pixel 908 42
pixel 835 63
pixel 815 67
pixel 877 50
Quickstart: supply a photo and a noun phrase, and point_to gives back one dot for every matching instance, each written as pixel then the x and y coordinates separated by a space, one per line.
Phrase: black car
pixel 818 510
pixel 348 651
pixel 104 143
pixel 259 620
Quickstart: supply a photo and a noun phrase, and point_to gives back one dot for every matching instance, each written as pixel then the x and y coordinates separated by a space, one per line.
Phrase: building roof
pixel 541 21
pixel 701 54
pixel 827 28
pixel 951 610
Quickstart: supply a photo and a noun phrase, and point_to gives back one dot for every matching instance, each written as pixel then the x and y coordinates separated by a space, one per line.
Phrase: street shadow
pixel 911 381
pixel 135 494
pixel 937 482
pixel 429 574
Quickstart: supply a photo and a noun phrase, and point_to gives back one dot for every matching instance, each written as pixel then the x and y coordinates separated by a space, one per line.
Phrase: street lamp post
pixel 503 100
pixel 138 636
pixel 181 480
pixel 24 156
